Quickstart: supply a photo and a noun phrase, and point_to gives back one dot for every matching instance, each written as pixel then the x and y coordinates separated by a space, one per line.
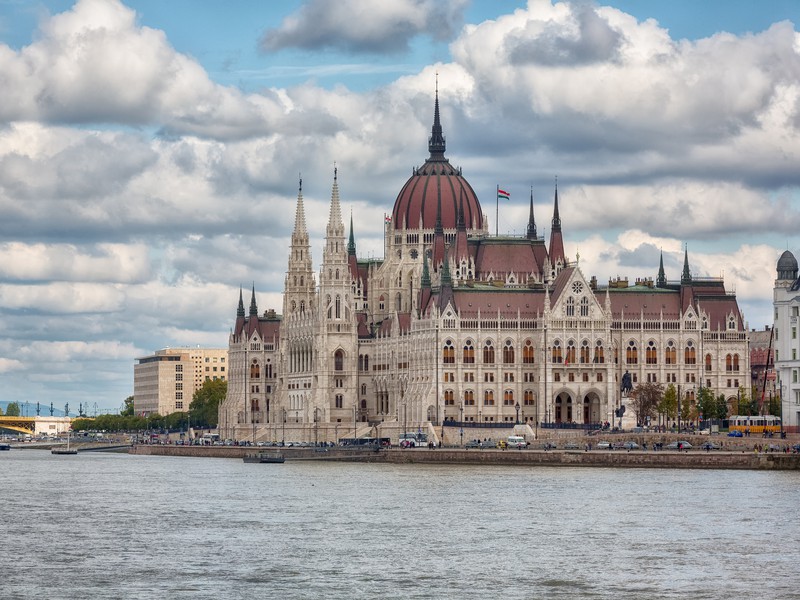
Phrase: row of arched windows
pixel 488 398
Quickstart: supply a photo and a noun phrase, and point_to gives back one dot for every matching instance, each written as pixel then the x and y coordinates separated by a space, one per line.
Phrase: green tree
pixel 205 403
pixel 12 410
pixel 127 410
pixel 668 405
pixel 1 410
pixel 688 412
pixel 706 403
pixel 722 407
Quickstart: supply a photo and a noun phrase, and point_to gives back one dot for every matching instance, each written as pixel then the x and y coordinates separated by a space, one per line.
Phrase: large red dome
pixel 437 183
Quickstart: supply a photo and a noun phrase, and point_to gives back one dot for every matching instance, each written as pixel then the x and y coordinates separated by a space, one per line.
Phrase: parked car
pixel 630 446
pixel 679 446
pixel 710 446
pixel 603 445
pixel 549 446
pixel 735 433
pixel 571 446
pixel 473 444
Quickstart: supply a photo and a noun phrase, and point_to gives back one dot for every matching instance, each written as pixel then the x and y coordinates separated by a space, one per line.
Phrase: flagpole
pixel 497 211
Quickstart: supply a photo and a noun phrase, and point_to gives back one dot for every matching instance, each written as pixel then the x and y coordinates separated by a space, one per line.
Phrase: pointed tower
pixel 661 280
pixel 299 298
pixel 438 231
pixel 461 254
pixel 424 285
pixel 531 235
pixel 335 278
pixel 556 242
pixel 686 276
pixel 253 305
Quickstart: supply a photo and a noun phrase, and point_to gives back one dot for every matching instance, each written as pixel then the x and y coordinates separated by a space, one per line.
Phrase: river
pixel 102 525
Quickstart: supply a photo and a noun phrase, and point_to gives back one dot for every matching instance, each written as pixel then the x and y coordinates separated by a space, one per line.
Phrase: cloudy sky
pixel 150 151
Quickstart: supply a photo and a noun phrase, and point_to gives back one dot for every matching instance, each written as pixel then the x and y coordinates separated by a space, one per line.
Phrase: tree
pixel 127 410
pixel 1 410
pixel 645 400
pixel 747 404
pixel 706 403
pixel 12 410
pixel 722 407
pixel 668 405
pixel 205 403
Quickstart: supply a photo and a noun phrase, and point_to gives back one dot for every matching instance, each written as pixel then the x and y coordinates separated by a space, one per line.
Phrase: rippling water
pixel 120 526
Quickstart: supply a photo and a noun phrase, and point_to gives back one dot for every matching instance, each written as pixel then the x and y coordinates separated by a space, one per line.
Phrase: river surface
pixel 101 525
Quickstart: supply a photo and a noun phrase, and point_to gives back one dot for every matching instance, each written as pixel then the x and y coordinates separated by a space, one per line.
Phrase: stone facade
pixel 455 324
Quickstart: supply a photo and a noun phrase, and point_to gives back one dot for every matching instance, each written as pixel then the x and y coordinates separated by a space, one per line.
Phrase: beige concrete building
pixel 166 381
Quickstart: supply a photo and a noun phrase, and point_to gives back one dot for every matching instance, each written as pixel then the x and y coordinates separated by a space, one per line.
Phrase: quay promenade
pixel 693 459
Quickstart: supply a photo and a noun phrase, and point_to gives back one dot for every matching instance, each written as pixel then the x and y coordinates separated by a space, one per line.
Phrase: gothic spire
pixel 253 307
pixel 686 276
pixel 351 244
pixel 335 218
pixel 425 282
pixel 240 310
pixel 556 225
pixel 531 221
pixel 661 280
pixel 436 143
pixel 556 241
pixel 300 214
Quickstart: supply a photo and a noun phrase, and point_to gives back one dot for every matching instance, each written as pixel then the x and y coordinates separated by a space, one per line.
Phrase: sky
pixel 150 152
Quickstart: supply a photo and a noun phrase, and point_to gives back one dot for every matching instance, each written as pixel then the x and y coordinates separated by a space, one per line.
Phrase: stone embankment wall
pixel 558 458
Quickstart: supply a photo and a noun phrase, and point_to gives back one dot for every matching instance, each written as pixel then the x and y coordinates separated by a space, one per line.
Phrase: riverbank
pixel 695 459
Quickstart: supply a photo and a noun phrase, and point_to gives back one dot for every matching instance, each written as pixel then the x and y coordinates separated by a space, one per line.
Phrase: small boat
pixel 264 457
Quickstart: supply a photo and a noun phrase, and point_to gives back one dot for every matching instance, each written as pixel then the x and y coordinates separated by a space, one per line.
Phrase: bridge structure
pixel 18 424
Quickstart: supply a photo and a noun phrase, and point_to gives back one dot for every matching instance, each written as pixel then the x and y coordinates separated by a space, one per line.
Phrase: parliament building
pixel 455 325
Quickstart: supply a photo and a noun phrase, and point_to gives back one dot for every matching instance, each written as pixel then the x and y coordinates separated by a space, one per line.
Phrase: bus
pixel 756 424
pixel 412 440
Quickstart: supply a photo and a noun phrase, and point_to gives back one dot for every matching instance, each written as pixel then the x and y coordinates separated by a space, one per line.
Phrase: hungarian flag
pixel 503 195
pixel 387 219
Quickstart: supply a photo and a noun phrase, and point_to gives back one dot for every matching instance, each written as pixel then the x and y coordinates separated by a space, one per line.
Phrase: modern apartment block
pixel 166 381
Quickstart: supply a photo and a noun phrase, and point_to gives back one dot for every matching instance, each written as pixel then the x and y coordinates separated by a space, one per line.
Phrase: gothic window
pixel 469 398
pixel 338 360
pixel 337 274
pixel 585 352
pixel 338 306
pixel 302 281
pixel 708 362
pixel 585 307
pixel 381 303
pixel 731 323
pixel 528 353
pixel 671 354
pixel 735 362
pixel 729 363
pixel 570 359
pixel 363 389
pixel 449 398
pixel 651 356
pixel 448 353
pixel 488 352
pixel 398 302
pixel 632 354
pixel 488 398
pixel 528 398
pixel 599 358
pixel 339 401
pixel 508 398
pixel 302 307
pixel 508 353
pixel 570 307
pixel 690 354
pixel 557 356
pixel 469 353
pixel 268 371
pixel 255 370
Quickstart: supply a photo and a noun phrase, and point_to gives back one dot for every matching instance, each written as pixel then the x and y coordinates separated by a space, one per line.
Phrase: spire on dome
pixel 436 143
pixel 253 306
pixel 438 230
pixel 686 276
pixel 661 280
pixel 531 221
pixel 240 310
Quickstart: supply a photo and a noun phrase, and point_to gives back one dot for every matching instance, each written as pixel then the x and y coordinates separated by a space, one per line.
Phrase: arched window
pixel 528 353
pixel 729 363
pixel 632 354
pixel 508 353
pixel 570 307
pixel 488 352
pixel 448 353
pixel 255 370
pixel 599 357
pixel 449 398
pixel 398 302
pixel 338 306
pixel 338 360
pixel 690 354
pixel 363 389
pixel 469 398
pixel 671 354
pixel 585 352
pixel 508 398
pixel 528 398
pixel 469 353
pixel 708 362
pixel 735 362
pixel 488 398
pixel 557 356
pixel 585 307
pixel 570 353
pixel 651 356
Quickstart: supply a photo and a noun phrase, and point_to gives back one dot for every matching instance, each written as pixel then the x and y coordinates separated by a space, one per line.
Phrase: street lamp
pixel 516 406
pixel 461 422
pixel 316 428
pixel 283 435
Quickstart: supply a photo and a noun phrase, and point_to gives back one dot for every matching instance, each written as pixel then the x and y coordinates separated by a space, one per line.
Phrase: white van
pixel 516 441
